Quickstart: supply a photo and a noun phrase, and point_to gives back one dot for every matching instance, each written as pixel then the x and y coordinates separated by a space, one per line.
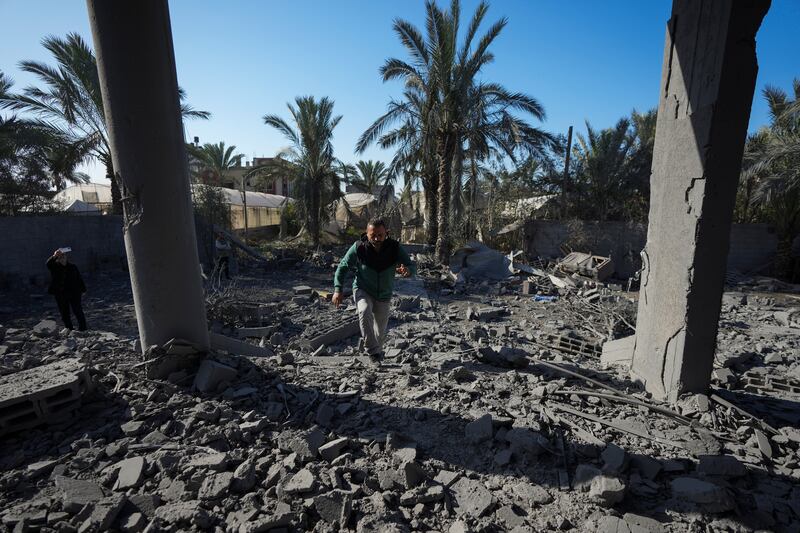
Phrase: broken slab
pixel 76 493
pixel 47 393
pixel 45 328
pixel 706 495
pixel 237 347
pixel 130 474
pixel 334 507
pixel 472 498
pixel 618 352
pixel 211 374
pixel 479 430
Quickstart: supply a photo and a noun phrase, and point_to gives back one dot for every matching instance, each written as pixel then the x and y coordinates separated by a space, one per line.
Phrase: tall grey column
pixel 136 63
pixel 707 84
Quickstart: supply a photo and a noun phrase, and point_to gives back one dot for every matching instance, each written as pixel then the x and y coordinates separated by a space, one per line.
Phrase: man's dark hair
pixel 375 222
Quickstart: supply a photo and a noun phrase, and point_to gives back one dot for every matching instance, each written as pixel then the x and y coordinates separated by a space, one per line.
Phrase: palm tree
pixel 601 168
pixel 442 77
pixel 413 140
pixel 40 147
pixel 71 103
pixel 309 161
pixel 215 160
pixel 373 177
pixel 772 165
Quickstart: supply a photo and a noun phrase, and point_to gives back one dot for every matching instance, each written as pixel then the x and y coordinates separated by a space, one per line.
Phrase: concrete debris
pixel 130 474
pixel 706 495
pixel 487 408
pixel 334 507
pixel 46 394
pixel 592 266
pixel 607 490
pixel 211 374
pixel 479 430
pixel 618 352
pixel 472 498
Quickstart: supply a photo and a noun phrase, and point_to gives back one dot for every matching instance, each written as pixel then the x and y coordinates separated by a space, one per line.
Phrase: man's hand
pixel 58 253
pixel 337 299
pixel 403 271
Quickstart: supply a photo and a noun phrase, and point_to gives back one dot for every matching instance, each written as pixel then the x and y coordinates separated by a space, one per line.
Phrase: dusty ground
pixel 471 424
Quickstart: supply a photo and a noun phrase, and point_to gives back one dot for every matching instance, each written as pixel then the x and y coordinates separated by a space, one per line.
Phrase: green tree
pixel 33 160
pixel 214 161
pixel 407 127
pixel 452 105
pixel 71 104
pixel 309 161
pixel 771 169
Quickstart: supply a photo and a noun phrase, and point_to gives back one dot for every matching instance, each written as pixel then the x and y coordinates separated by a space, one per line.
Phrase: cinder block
pixel 343 329
pixel 40 395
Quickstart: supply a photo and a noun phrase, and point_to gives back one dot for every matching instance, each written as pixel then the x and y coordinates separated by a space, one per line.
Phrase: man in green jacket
pixel 375 258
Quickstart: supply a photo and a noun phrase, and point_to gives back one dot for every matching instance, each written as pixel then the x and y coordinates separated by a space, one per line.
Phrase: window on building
pixel 90 197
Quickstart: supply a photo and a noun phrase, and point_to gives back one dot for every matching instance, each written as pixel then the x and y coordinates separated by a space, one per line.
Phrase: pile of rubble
pixel 493 411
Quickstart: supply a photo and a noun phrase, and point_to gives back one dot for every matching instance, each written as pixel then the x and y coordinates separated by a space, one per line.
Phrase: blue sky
pixel 583 60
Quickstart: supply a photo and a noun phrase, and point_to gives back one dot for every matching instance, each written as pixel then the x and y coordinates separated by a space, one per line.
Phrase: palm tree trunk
pixel 473 195
pixel 444 152
pixel 315 216
pixel 431 186
pixel 116 189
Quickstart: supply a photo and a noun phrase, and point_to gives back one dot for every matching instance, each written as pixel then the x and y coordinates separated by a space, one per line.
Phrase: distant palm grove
pixel 463 150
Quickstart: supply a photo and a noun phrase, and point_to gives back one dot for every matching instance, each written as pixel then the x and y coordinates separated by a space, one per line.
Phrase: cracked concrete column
pixel 707 84
pixel 136 64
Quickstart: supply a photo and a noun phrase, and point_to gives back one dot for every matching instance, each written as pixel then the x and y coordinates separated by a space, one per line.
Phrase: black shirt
pixel 66 279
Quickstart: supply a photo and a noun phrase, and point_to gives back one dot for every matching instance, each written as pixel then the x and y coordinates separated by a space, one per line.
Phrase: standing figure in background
pixel 67 286
pixel 223 248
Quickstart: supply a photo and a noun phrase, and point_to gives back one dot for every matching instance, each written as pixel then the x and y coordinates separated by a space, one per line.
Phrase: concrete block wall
pixel 752 245
pixel 27 242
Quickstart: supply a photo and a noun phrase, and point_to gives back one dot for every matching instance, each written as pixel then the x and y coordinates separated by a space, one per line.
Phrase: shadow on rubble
pixel 440 439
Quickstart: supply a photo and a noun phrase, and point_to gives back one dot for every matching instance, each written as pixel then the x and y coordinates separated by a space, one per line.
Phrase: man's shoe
pixel 376 359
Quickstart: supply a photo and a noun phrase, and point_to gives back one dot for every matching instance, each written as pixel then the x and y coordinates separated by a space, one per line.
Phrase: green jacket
pixel 374 271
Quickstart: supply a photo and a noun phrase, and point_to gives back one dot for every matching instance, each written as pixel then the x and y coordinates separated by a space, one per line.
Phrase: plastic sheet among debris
pixel 476 260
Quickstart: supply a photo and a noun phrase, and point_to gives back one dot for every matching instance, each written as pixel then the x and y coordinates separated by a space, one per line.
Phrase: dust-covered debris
pixel 476 421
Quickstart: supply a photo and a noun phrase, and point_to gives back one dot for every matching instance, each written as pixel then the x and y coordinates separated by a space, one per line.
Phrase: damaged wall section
pixel 752 245
pixel 27 242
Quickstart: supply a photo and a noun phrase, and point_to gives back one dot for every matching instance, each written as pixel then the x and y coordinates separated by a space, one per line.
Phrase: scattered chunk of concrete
pixel 45 328
pixel 532 495
pixel 131 472
pixel 211 374
pixel 334 507
pixel 301 482
pixel 479 430
pixel 607 490
pixel 77 493
pixel 618 352
pixel 103 513
pixel 708 496
pixel 215 486
pixel 525 443
pixel 720 465
pixel 615 460
pixel 333 449
pixel 472 498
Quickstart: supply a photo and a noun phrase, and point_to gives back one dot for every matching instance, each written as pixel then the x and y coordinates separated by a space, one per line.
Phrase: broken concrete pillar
pixel 707 85
pixel 136 65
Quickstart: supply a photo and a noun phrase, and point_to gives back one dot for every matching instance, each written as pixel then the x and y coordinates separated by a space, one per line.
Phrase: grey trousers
pixel 373 317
